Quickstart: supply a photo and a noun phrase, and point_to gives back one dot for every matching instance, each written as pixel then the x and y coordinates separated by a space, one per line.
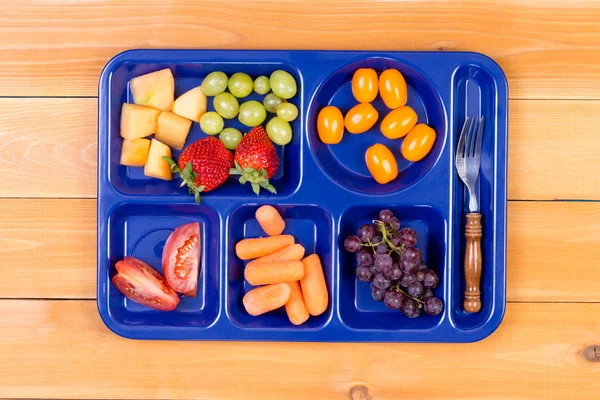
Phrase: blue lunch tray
pixel 324 194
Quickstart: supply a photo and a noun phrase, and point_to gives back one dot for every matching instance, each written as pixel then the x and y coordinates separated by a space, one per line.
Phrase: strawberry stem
pixel 188 177
pixel 257 179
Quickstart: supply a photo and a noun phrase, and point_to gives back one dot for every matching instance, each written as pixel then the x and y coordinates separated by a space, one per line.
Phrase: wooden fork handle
pixel 473 258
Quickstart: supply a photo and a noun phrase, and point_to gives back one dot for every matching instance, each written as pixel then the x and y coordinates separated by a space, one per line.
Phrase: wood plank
pixel 48 148
pixel 59 48
pixel 527 358
pixel 552 250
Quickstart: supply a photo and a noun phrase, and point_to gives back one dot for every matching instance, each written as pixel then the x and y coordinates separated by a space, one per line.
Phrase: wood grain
pixel 48 148
pixel 549 49
pixel 552 250
pixel 61 349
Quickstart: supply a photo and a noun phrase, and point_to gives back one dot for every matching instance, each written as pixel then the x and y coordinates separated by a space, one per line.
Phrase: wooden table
pixel 52 341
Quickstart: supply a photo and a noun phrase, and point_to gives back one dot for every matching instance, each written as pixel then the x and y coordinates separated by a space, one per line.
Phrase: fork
pixel 468 163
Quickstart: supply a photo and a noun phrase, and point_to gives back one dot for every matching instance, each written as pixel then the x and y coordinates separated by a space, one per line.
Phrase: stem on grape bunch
pixel 386 239
pixel 397 289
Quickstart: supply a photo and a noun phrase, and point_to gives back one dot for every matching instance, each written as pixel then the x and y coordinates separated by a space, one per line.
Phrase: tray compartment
pixel 475 94
pixel 345 162
pixel 357 309
pixel 312 226
pixel 140 231
pixel 132 181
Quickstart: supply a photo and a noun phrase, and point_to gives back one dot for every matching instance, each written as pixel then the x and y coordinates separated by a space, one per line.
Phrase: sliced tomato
pixel 141 283
pixel 181 259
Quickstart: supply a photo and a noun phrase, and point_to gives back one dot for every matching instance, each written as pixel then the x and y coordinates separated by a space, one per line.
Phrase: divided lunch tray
pixel 324 194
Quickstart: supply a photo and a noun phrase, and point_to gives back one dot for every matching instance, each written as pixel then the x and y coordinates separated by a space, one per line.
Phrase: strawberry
pixel 204 165
pixel 256 160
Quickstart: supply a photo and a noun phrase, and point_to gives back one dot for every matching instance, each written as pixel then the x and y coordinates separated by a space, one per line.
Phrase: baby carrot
pixel 294 252
pixel 248 249
pixel 266 298
pixel 295 307
pixel 313 285
pixel 278 272
pixel 270 220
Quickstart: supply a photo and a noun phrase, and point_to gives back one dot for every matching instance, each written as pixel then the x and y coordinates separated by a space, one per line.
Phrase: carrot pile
pixel 289 278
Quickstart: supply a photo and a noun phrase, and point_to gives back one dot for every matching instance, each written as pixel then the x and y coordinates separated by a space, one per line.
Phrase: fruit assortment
pixel 387 258
pixel 398 123
pixel 141 283
pixel 285 276
pixel 206 164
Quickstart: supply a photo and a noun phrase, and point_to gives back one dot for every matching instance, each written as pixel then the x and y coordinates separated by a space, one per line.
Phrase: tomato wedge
pixel 141 283
pixel 181 259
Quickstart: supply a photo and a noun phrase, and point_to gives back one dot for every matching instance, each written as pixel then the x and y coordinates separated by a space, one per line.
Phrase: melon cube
pixel 156 166
pixel 134 153
pixel 172 129
pixel 191 105
pixel 156 89
pixel 138 121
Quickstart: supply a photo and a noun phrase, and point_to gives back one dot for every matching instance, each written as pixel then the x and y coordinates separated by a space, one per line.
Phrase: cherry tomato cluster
pixel 398 123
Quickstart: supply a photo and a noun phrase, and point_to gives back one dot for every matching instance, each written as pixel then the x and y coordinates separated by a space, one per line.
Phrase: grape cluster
pixel 386 257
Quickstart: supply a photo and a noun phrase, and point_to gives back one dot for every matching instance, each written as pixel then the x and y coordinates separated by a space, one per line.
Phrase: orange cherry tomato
pixel 392 88
pixel 361 118
pixel 330 125
pixel 398 122
pixel 381 163
pixel 418 143
pixel 364 85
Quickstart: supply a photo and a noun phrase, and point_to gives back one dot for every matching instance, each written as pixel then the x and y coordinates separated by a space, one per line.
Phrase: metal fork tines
pixel 468 157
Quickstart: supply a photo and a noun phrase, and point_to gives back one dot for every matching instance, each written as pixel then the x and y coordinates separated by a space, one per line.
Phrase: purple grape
pixel 374 269
pixel 432 280
pixel 433 306
pixel 428 293
pixel 415 289
pixel 381 248
pixel 385 216
pixel 381 282
pixel 393 273
pixel 376 230
pixel 363 274
pixel 410 309
pixel 407 279
pixel 408 236
pixel 383 261
pixel 396 239
pixel 352 244
pixel 412 254
pixel 422 266
pixel 420 276
pixel 408 266
pixel 376 239
pixel 394 224
pixel 366 232
pixel 393 300
pixel 378 294
pixel 364 258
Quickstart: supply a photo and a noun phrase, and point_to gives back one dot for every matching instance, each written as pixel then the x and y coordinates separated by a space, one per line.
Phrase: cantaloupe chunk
pixel 138 121
pixel 156 166
pixel 134 153
pixel 172 129
pixel 191 105
pixel 156 89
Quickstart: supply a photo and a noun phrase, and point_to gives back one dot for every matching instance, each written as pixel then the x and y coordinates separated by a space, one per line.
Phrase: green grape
pixel 287 111
pixel 271 101
pixel 240 84
pixel 211 123
pixel 231 138
pixel 252 113
pixel 226 105
pixel 283 84
pixel 214 83
pixel 262 85
pixel 279 131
